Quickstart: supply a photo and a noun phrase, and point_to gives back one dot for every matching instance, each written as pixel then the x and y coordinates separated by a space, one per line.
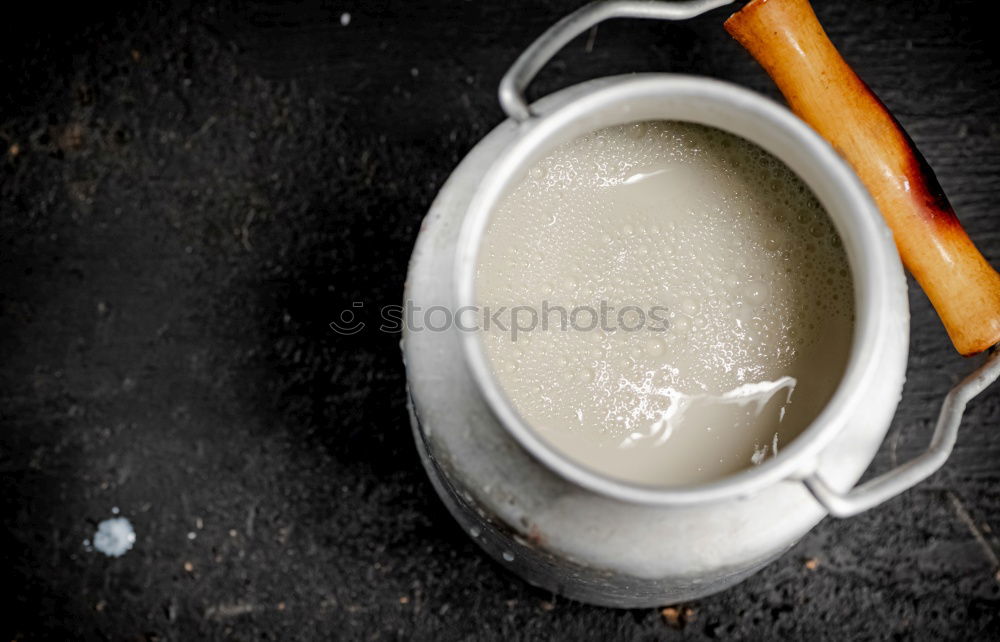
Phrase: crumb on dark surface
pixel 192 192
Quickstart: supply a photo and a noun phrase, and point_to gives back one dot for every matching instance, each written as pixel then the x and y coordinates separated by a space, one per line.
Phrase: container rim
pixel 719 104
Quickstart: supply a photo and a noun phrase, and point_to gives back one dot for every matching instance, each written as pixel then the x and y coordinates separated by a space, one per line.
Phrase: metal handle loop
pixel 531 61
pixel 903 477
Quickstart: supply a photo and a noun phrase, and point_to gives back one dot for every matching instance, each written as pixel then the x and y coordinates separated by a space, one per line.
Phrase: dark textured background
pixel 190 194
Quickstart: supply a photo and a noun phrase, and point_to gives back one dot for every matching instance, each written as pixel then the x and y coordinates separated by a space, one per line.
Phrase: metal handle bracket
pixel 905 476
pixel 531 61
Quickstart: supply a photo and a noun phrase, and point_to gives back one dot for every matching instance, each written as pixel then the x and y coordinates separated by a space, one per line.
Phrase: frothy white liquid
pixel 698 228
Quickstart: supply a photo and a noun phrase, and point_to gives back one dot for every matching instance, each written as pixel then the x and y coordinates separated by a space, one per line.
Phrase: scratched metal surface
pixel 190 194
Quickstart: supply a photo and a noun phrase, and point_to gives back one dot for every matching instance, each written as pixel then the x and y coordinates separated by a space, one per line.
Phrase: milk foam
pixel 720 235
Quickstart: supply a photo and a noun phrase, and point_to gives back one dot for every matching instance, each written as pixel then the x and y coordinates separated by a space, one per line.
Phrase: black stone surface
pixel 191 193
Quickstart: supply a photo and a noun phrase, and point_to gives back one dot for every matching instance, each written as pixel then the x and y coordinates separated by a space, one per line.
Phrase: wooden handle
pixel 787 40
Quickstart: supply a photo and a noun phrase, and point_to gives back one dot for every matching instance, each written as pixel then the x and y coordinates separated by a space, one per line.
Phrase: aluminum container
pixel 569 529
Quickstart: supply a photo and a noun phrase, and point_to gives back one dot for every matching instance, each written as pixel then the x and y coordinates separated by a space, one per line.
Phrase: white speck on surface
pixel 508 556
pixel 414 72
pixel 114 510
pixel 114 537
pixel 475 531
pixel 192 535
pixel 345 19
